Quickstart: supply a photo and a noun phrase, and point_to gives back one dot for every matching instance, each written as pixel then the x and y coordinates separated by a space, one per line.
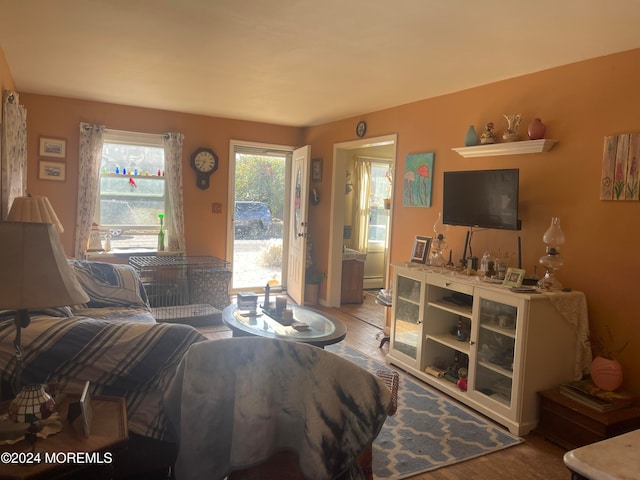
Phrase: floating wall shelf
pixel 511 148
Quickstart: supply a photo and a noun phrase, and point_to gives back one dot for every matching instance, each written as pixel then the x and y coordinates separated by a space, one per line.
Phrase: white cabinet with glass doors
pixel 506 346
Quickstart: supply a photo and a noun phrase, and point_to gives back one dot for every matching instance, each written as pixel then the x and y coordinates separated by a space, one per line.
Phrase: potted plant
pixel 606 371
pixel 313 279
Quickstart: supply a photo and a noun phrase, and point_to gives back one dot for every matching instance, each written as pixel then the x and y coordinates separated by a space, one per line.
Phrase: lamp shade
pixel 36 209
pixel 35 271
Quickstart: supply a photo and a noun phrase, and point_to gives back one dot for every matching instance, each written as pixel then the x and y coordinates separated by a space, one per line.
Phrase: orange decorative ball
pixel 606 373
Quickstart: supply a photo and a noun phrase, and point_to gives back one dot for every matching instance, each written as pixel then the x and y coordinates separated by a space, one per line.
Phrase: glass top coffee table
pixel 313 327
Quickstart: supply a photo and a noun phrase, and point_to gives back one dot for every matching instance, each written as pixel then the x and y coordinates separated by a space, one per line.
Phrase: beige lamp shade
pixel 35 271
pixel 35 209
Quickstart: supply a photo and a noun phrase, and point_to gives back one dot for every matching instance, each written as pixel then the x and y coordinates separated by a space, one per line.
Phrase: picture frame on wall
pixel 514 277
pixel 421 249
pixel 53 147
pixel 55 171
pixel 316 169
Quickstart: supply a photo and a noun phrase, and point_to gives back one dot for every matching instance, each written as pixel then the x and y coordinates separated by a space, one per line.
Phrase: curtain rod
pixel 376 159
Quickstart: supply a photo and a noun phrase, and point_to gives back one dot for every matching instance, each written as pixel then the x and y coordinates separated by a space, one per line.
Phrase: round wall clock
pixel 361 128
pixel 204 162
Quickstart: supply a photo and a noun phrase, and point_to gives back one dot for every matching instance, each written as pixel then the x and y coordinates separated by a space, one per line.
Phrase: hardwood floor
pixel 535 458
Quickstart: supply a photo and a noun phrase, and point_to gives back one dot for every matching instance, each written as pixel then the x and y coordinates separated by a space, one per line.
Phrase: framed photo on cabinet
pixel 421 248
pixel 514 277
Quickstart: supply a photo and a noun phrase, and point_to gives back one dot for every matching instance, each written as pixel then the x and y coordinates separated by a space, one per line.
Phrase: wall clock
pixel 361 128
pixel 204 162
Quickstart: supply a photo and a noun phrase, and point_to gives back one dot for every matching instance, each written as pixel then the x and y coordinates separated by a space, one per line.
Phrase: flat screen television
pixel 482 198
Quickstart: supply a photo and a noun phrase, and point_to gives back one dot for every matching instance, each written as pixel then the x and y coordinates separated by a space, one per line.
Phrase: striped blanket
pixel 133 360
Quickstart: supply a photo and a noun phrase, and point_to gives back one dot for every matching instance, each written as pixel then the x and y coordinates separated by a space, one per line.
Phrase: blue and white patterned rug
pixel 429 430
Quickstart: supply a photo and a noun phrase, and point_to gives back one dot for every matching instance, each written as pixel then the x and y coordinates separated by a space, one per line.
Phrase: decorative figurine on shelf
pixel 511 134
pixel 488 137
pixel 462 379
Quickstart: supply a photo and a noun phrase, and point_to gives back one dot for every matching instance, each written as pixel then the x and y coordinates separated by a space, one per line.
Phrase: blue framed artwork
pixel 418 179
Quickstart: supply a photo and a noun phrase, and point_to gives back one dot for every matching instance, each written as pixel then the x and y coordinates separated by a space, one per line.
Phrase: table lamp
pixel 553 238
pixel 36 209
pixel 35 275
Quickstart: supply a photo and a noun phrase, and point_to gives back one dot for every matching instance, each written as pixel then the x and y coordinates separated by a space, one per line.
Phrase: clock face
pixel 205 161
pixel 361 128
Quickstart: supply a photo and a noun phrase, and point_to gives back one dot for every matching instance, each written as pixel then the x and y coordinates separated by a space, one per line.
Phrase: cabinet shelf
pixel 507 332
pixel 510 148
pixel 450 341
pixel 496 368
pixel 408 300
pixel 452 308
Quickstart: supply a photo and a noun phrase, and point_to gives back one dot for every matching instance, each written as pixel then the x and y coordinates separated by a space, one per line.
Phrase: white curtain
pixel 13 146
pixel 362 191
pixel 173 177
pixel 91 140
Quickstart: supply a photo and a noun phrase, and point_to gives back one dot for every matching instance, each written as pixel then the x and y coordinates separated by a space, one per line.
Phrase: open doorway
pixel 381 150
pixel 257 243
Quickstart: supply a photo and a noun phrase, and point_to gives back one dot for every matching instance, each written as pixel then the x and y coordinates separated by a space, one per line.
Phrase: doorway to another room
pixel 362 211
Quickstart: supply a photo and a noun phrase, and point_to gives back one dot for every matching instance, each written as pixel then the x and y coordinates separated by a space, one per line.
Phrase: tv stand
pixel 512 345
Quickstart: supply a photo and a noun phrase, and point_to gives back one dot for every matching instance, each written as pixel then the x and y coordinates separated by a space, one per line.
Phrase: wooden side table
pixel 571 424
pixel 109 435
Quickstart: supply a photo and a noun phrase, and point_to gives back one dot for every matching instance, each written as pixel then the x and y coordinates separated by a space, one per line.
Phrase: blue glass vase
pixel 471 138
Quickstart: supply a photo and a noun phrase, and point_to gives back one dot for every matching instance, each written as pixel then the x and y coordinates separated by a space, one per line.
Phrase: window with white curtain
pixel 132 189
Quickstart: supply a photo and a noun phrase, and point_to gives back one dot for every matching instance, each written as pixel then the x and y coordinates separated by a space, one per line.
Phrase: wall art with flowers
pixel 620 176
pixel 418 176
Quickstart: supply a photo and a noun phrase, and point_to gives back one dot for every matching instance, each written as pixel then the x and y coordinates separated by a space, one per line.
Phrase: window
pixel 380 190
pixel 132 189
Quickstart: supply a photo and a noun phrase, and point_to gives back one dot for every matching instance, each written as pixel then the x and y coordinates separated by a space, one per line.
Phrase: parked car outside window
pixel 252 219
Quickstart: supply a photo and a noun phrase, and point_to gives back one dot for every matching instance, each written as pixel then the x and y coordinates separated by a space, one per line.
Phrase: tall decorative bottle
pixel 161 233
pixel 471 138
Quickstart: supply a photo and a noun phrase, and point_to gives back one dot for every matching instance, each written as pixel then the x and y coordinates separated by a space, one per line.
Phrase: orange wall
pixel 580 104
pixel 60 117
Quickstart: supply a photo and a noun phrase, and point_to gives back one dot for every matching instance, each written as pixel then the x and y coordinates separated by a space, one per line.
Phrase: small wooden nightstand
pixel 571 424
pixel 109 434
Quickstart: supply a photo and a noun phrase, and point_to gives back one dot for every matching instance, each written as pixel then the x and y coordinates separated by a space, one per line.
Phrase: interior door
pixel 298 223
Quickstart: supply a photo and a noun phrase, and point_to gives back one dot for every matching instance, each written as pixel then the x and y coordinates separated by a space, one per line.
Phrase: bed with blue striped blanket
pixel 133 360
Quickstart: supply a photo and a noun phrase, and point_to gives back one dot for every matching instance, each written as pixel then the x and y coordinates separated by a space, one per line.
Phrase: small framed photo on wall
pixel 421 249
pixel 316 169
pixel 52 171
pixel 53 147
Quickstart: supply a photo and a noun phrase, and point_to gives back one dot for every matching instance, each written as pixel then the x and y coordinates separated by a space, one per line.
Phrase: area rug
pixel 429 430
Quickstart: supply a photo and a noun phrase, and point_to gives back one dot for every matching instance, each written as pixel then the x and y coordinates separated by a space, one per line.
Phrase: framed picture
pixel 53 147
pixel 316 169
pixel 421 248
pixel 52 171
pixel 514 277
pixel 418 178
pixel 86 412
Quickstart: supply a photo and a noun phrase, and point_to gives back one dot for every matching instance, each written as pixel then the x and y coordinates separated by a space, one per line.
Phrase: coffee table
pixel 322 331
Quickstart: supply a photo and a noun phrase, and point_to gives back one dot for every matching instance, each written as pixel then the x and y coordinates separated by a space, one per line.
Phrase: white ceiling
pixel 297 62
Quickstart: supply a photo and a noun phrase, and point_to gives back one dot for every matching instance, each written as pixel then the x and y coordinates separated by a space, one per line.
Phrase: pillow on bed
pixel 109 284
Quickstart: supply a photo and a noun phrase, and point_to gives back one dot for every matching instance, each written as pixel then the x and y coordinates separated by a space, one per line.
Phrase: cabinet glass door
pixel 406 335
pixel 496 350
